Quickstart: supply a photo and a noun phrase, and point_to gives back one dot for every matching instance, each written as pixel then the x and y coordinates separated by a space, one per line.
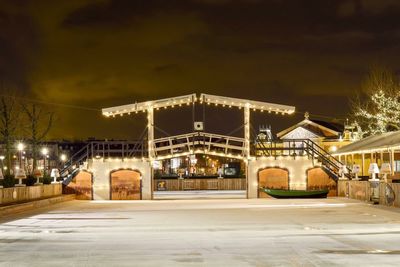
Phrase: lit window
pixel 397 166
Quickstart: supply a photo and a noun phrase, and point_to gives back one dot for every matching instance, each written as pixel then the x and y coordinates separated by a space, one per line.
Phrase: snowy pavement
pixel 204 232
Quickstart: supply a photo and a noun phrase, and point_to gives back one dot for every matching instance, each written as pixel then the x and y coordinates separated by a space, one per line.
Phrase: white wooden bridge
pixel 102 159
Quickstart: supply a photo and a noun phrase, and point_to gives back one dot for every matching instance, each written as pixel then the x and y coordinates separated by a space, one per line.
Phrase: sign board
pixel 161 185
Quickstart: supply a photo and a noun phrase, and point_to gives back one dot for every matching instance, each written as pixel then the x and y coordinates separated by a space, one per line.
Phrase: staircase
pixel 301 147
pixel 101 149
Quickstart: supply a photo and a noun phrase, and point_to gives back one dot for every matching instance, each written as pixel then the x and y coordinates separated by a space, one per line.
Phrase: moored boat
pixel 282 193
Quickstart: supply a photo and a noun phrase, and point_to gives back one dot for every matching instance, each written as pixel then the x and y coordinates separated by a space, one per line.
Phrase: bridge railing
pixel 206 142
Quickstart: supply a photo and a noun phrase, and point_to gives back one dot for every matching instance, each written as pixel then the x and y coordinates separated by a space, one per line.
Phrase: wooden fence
pixel 388 193
pixel 199 184
pixel 19 194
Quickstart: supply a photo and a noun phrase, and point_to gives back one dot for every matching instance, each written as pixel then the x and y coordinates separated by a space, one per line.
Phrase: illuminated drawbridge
pixel 292 159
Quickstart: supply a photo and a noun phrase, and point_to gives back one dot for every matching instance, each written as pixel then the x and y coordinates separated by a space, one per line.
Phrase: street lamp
pixel 20 148
pixel 2 157
pixel 45 152
pixel 20 172
pixel 1 176
pixel 63 157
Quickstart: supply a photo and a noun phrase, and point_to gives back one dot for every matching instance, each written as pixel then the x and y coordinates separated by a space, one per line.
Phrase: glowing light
pixel 45 151
pixel 20 146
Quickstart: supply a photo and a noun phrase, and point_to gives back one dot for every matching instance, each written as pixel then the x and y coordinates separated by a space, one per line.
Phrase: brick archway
pixel 317 178
pixel 274 178
pixel 81 185
pixel 125 184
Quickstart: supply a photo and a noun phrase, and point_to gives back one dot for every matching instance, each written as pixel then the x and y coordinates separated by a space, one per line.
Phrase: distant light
pixel 20 146
pixel 63 157
pixel 45 151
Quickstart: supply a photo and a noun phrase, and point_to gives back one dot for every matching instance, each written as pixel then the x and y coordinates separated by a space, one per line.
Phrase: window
pixel 397 166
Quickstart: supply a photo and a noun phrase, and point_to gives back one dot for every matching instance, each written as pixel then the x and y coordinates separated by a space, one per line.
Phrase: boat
pixel 282 193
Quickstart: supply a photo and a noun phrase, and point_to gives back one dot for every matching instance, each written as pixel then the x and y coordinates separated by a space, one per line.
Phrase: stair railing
pixel 297 147
pixel 104 149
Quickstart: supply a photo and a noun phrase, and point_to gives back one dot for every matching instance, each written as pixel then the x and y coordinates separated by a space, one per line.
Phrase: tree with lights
pixel 377 109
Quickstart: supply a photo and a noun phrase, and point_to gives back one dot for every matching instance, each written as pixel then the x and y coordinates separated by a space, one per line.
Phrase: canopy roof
pixel 373 143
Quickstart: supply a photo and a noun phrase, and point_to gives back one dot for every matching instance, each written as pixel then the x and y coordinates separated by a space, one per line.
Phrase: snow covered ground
pixel 203 232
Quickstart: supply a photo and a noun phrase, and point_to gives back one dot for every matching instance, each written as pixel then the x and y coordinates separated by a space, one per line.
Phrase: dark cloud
pixel 18 45
pixel 312 54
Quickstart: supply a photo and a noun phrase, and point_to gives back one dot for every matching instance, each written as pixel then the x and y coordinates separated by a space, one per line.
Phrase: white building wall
pixel 297 171
pixel 101 175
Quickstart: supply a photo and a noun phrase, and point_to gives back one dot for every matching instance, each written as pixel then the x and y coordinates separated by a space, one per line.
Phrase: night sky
pixel 95 54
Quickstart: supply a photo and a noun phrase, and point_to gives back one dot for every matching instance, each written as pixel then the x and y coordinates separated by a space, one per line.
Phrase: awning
pixel 370 144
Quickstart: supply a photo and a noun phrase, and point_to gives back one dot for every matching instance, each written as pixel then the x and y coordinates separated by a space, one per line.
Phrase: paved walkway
pixel 239 232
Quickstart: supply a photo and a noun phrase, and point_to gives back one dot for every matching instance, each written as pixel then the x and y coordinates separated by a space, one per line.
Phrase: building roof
pixel 320 128
pixel 330 125
pixel 372 143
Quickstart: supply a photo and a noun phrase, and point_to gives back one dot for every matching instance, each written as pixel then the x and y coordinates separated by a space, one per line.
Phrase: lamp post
pixel 45 152
pixel 1 170
pixel 20 172
pixel 63 159
pixel 2 157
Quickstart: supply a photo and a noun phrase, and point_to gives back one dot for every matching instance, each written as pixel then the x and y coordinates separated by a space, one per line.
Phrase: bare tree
pixel 8 127
pixel 376 109
pixel 39 122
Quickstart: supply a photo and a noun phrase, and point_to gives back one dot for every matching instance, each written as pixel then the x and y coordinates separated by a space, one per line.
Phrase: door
pixel 125 185
pixel 273 178
pixel 81 185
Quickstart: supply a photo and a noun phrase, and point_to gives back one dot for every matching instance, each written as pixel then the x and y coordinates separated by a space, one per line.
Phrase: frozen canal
pixel 223 232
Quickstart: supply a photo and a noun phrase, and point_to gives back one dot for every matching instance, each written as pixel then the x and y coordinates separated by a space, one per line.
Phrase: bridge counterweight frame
pixel 151 106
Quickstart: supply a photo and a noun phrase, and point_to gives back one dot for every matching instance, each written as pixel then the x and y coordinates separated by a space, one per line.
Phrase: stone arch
pixel 317 178
pixel 81 185
pixel 274 178
pixel 125 184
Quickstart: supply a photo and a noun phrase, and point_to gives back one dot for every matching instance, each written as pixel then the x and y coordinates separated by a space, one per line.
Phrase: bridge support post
pixel 150 132
pixel 150 149
pixel 247 131
pixel 247 145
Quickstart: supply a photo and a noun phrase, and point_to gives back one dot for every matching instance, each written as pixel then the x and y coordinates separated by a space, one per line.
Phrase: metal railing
pixel 300 147
pixel 169 147
pixel 104 149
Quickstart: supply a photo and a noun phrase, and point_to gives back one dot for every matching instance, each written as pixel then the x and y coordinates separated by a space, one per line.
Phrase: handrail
pixel 294 146
pixel 105 149
pixel 216 142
